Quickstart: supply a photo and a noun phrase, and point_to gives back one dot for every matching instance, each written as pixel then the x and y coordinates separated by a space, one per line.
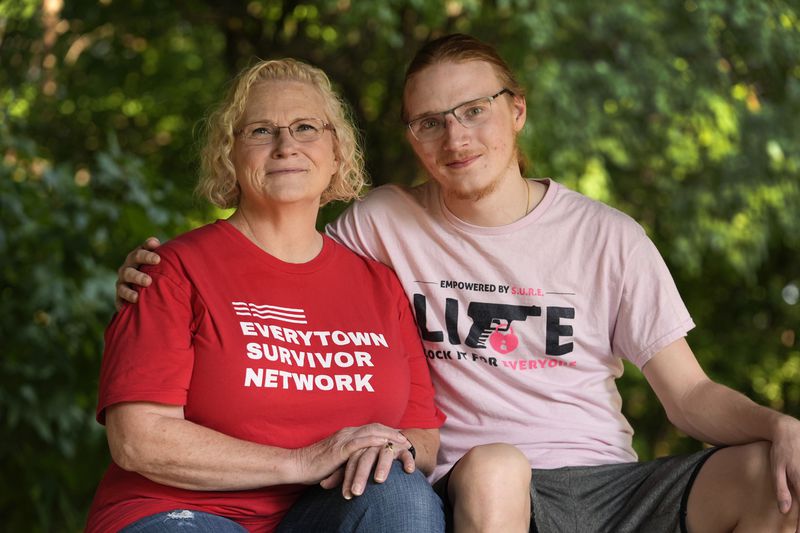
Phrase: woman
pixel 225 391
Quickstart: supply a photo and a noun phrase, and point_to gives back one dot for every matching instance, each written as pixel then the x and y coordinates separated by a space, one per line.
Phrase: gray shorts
pixel 619 498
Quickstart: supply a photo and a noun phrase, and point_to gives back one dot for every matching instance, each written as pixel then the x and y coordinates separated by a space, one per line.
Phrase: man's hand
pixel 129 273
pixel 785 458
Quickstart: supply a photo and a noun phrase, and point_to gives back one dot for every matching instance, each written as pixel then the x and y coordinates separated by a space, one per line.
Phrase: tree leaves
pixel 679 114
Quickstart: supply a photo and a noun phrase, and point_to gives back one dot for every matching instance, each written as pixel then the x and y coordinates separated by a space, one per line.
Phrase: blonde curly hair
pixel 217 174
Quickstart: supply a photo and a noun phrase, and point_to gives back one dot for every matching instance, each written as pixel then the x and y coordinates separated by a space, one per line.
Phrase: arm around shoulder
pixel 129 274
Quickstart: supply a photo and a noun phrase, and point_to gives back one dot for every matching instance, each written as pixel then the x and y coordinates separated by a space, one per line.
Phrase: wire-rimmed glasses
pixel 303 130
pixel 469 114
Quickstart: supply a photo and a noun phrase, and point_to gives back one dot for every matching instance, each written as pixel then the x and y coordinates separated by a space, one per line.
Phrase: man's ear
pixel 520 110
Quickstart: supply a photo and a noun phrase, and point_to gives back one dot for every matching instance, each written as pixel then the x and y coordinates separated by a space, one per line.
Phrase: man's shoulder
pixel 370 226
pixel 394 197
pixel 363 268
pixel 583 209
pixel 384 207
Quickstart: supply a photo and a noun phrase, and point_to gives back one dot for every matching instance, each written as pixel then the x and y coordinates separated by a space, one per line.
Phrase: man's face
pixel 468 163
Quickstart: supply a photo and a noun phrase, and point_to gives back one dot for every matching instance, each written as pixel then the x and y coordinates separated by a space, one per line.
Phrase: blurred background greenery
pixel 682 114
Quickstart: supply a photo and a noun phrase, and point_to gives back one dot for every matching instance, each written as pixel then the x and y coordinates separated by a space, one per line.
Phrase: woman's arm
pixel 156 441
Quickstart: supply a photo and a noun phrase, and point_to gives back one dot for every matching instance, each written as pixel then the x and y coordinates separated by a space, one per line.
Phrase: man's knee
pixel 494 465
pixel 735 488
pixel 499 474
pixel 490 489
pixel 753 473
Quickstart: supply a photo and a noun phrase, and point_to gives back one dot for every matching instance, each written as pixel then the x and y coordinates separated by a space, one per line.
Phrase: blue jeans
pixel 404 502
pixel 184 521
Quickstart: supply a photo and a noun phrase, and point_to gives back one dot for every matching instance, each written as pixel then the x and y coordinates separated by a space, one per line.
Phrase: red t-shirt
pixel 270 352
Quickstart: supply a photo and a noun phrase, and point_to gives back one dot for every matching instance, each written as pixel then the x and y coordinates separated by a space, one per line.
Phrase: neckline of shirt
pixel 535 214
pixel 314 265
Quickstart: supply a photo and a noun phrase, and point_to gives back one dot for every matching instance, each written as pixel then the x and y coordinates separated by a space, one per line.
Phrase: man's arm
pixel 426 444
pixel 717 414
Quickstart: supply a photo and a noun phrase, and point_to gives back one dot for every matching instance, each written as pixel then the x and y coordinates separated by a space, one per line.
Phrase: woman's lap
pixel 404 502
pixel 184 521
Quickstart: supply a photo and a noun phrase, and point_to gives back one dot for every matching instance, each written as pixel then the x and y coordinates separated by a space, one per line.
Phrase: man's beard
pixel 473 195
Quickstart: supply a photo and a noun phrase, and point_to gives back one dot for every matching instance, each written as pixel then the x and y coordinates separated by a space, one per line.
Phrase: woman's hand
pixel 323 461
pixel 129 273
pixel 354 475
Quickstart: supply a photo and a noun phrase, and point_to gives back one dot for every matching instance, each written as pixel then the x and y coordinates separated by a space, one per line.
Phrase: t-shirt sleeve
pixel 148 352
pixel 651 314
pixel 421 411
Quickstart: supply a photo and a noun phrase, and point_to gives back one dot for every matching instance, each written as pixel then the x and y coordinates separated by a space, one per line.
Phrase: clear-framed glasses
pixel 303 130
pixel 469 114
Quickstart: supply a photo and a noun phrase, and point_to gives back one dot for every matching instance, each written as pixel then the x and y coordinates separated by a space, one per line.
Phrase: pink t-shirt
pixel 525 325
pixel 265 351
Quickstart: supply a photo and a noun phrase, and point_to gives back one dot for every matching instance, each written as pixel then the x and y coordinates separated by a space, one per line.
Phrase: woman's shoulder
pixel 191 246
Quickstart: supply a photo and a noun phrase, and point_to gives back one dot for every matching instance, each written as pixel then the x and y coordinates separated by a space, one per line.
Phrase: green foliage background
pixel 682 114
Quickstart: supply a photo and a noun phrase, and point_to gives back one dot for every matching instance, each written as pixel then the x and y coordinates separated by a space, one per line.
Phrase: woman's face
pixel 285 171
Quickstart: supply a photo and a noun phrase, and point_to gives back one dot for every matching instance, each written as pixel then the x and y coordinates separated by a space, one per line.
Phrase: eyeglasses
pixel 469 114
pixel 304 130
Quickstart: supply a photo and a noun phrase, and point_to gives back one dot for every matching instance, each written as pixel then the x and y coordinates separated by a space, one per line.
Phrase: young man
pixel 527 296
